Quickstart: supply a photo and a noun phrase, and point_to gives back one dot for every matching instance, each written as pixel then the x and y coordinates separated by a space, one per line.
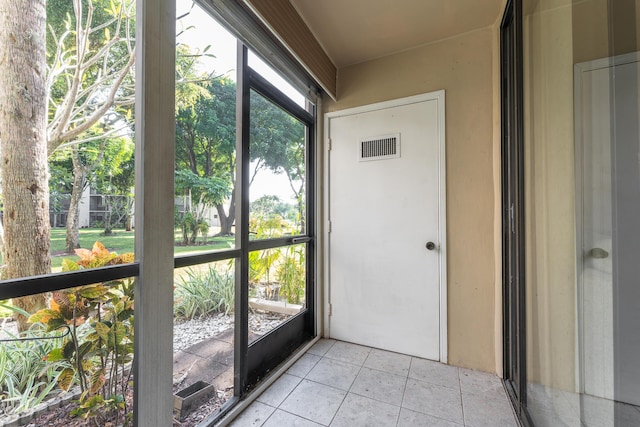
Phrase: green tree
pixel 205 142
pixel 278 144
pixel 270 205
pixel 114 177
pixel 91 48
pixel 207 191
pixel 91 85
pixel 90 67
pixel 121 182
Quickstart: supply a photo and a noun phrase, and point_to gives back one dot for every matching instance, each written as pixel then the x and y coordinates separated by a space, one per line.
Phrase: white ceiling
pixel 354 31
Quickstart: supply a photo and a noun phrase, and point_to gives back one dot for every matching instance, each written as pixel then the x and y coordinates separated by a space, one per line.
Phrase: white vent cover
pixel 379 147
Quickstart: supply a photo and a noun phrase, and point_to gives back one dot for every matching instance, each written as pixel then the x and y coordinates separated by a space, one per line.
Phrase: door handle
pixel 431 246
pixel 598 253
pixel 297 240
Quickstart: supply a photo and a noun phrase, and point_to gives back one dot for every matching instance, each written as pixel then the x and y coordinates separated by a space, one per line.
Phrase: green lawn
pixel 121 242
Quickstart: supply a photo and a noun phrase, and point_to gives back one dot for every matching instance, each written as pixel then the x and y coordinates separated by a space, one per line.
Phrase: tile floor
pixel 342 384
pixel 551 407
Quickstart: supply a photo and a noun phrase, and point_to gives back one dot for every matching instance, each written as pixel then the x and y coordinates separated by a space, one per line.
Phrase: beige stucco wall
pixel 603 28
pixel 463 67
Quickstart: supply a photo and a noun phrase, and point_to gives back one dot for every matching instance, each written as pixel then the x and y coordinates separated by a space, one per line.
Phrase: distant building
pixel 94 210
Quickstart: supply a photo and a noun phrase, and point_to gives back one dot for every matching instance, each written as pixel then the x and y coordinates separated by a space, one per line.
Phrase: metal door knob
pixel 431 246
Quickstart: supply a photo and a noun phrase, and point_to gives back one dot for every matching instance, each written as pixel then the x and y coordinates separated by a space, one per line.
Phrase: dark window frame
pixel 513 209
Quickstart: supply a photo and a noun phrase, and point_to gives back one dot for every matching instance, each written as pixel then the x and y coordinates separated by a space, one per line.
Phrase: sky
pixel 199 30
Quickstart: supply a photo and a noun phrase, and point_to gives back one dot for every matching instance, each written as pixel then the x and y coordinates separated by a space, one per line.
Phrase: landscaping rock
pixel 40 409
pixel 10 421
pixel 25 417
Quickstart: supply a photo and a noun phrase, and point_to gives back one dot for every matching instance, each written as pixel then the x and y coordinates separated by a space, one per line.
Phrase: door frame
pixel 254 360
pixel 514 333
pixel 578 70
pixel 439 97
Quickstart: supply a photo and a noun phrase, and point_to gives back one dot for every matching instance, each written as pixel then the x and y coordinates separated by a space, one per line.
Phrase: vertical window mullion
pixel 242 221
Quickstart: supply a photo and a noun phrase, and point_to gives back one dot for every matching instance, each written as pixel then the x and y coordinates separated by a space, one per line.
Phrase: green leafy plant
pixel 26 379
pixel 269 226
pixel 99 348
pixel 200 293
pixel 191 227
pixel 291 274
pixel 203 229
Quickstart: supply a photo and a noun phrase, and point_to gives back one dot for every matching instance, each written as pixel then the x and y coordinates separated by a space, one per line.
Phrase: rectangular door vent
pixel 379 147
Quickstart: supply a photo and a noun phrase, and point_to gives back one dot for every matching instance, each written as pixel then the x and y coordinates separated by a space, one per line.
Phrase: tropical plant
pixel 291 274
pixel 201 293
pixel 203 230
pixel 99 348
pixel 262 263
pixel 256 268
pixel 191 226
pixel 268 226
pixel 26 378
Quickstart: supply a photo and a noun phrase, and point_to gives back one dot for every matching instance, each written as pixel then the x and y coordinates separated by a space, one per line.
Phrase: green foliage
pixel 100 344
pixel 201 293
pixel 291 273
pixel 191 226
pixel 278 144
pixel 186 223
pixel 203 229
pixel 261 263
pixel 90 49
pixel 188 83
pixel 26 378
pixel 207 190
pixel 270 205
pixel 121 242
pixel 260 266
pixel 288 262
pixel 205 146
pixel 268 227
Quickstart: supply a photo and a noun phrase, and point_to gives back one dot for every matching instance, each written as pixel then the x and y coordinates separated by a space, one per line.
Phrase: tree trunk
pixel 226 221
pixel 1 235
pixel 23 124
pixel 73 217
pixel 127 217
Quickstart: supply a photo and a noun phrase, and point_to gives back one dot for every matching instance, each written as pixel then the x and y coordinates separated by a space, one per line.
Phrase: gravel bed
pixel 185 334
pixel 189 332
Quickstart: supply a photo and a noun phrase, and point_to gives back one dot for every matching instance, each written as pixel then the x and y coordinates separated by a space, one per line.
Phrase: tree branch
pixel 99 112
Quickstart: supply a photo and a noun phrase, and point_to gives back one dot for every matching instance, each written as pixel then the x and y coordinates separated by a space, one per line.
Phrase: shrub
pixel 100 344
pixel 26 379
pixel 291 274
pixel 204 292
pixel 191 226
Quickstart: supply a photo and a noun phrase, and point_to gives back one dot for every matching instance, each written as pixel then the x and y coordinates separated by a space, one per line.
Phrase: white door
pixel 608 207
pixel 386 209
